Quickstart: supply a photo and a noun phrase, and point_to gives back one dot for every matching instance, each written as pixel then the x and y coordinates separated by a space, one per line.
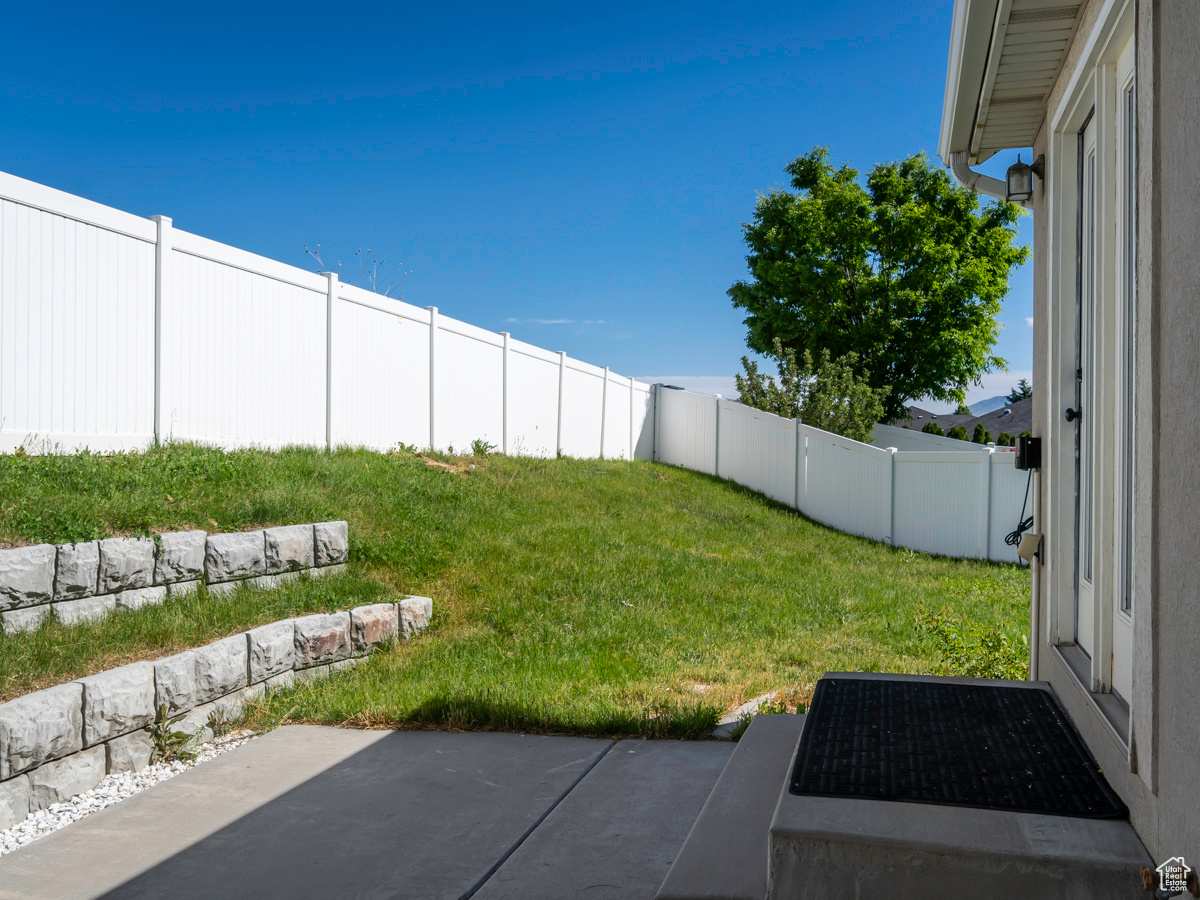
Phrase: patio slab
pixel 308 811
pixel 617 833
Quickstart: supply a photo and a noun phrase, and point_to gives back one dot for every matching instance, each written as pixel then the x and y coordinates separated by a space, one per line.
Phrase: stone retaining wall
pixel 85 582
pixel 62 741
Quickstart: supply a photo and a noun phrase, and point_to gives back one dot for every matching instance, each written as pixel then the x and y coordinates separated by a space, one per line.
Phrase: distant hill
pixel 989 405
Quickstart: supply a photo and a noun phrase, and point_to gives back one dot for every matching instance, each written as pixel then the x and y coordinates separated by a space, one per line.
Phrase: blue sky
pixel 574 174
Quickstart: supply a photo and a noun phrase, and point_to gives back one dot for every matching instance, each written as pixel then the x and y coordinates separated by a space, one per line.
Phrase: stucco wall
pixel 1169 45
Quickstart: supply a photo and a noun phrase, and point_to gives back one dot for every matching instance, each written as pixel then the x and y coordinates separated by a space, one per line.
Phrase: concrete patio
pixel 309 811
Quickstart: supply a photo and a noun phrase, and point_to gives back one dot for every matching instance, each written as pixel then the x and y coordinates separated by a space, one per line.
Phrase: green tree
pixel 958 433
pixel 963 410
pixel 1023 391
pixel 830 395
pixel 1006 440
pixel 905 271
pixel 981 435
pixel 933 428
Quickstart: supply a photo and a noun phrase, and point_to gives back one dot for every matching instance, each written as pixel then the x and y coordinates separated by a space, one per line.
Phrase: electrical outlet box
pixel 1029 452
pixel 1031 543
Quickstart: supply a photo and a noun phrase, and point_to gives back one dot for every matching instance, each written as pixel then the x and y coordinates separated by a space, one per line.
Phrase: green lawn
pixel 569 596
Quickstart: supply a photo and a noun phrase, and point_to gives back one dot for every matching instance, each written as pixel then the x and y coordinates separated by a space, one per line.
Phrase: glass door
pixel 1084 412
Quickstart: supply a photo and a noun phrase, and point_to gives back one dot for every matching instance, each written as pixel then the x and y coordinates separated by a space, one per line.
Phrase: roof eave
pixel 970 39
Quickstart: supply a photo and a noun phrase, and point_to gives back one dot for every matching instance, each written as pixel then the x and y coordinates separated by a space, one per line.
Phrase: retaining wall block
pixel 182 588
pixel 322 638
pixel 27 576
pixel 415 613
pixel 370 625
pixel 86 609
pixel 59 781
pixel 125 563
pixel 196 724
pixel 117 702
pixel 331 542
pixel 272 684
pixel 39 727
pixel 231 556
pixel 28 619
pixel 289 548
pixel 271 650
pixel 130 752
pixel 322 571
pixel 224 588
pixel 14 801
pixel 139 597
pixel 77 571
pixel 273 581
pixel 220 668
pixel 180 557
pixel 175 682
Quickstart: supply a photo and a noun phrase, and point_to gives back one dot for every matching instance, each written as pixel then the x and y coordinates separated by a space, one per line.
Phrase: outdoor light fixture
pixel 1018 181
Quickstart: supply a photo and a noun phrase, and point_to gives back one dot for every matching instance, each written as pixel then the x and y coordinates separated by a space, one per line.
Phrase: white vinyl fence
pixel 953 502
pixel 115 330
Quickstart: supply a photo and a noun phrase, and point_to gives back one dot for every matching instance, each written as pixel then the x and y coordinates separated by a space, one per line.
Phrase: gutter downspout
pixel 972 180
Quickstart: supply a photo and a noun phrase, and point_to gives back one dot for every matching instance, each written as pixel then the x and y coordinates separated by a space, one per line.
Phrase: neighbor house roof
pixel 1004 58
pixel 1014 418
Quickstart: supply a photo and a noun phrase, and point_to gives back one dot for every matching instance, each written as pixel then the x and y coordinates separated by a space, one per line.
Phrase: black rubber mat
pixel 984 746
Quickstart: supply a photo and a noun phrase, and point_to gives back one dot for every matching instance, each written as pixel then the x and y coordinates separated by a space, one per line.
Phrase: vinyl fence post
pixel 797 475
pixel 162 262
pixel 603 410
pixel 562 366
pixel 892 495
pixel 331 299
pixel 717 438
pixel 504 397
pixel 632 446
pixel 433 329
pixel 654 392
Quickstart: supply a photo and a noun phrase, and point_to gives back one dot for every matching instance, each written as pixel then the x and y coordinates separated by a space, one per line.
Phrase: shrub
pixel 830 394
pixel 958 433
pixel 1006 440
pixel 933 428
pixel 981 435
pixel 974 650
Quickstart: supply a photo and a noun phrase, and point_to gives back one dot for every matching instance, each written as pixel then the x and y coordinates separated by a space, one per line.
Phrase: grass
pixel 570 596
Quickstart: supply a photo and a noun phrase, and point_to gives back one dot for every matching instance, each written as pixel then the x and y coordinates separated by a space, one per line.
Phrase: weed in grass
pixel 169 744
pixel 974 650
pixel 480 447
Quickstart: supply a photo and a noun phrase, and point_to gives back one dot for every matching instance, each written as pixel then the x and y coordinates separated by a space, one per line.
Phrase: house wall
pixel 1158 769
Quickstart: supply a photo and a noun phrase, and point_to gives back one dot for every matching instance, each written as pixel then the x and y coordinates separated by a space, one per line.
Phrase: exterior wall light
pixel 1018 181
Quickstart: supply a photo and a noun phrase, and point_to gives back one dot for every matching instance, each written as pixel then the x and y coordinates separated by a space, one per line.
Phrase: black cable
pixel 1013 538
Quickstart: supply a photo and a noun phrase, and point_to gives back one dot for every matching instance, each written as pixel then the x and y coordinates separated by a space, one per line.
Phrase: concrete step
pixel 725 855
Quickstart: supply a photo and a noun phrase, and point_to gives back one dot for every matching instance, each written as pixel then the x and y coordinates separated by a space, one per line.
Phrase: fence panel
pixel 642 414
pixel 847 485
pixel 76 324
pixel 532 400
pixel 242 352
pixel 616 418
pixel 380 379
pixel 940 499
pixel 469 386
pixel 1007 493
pixel 687 430
pixel 757 450
pixel 582 403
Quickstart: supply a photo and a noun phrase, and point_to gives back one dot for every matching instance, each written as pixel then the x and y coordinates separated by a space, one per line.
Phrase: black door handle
pixel 1073 414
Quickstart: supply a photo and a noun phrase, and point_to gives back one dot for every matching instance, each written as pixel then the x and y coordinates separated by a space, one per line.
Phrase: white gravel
pixel 112 789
